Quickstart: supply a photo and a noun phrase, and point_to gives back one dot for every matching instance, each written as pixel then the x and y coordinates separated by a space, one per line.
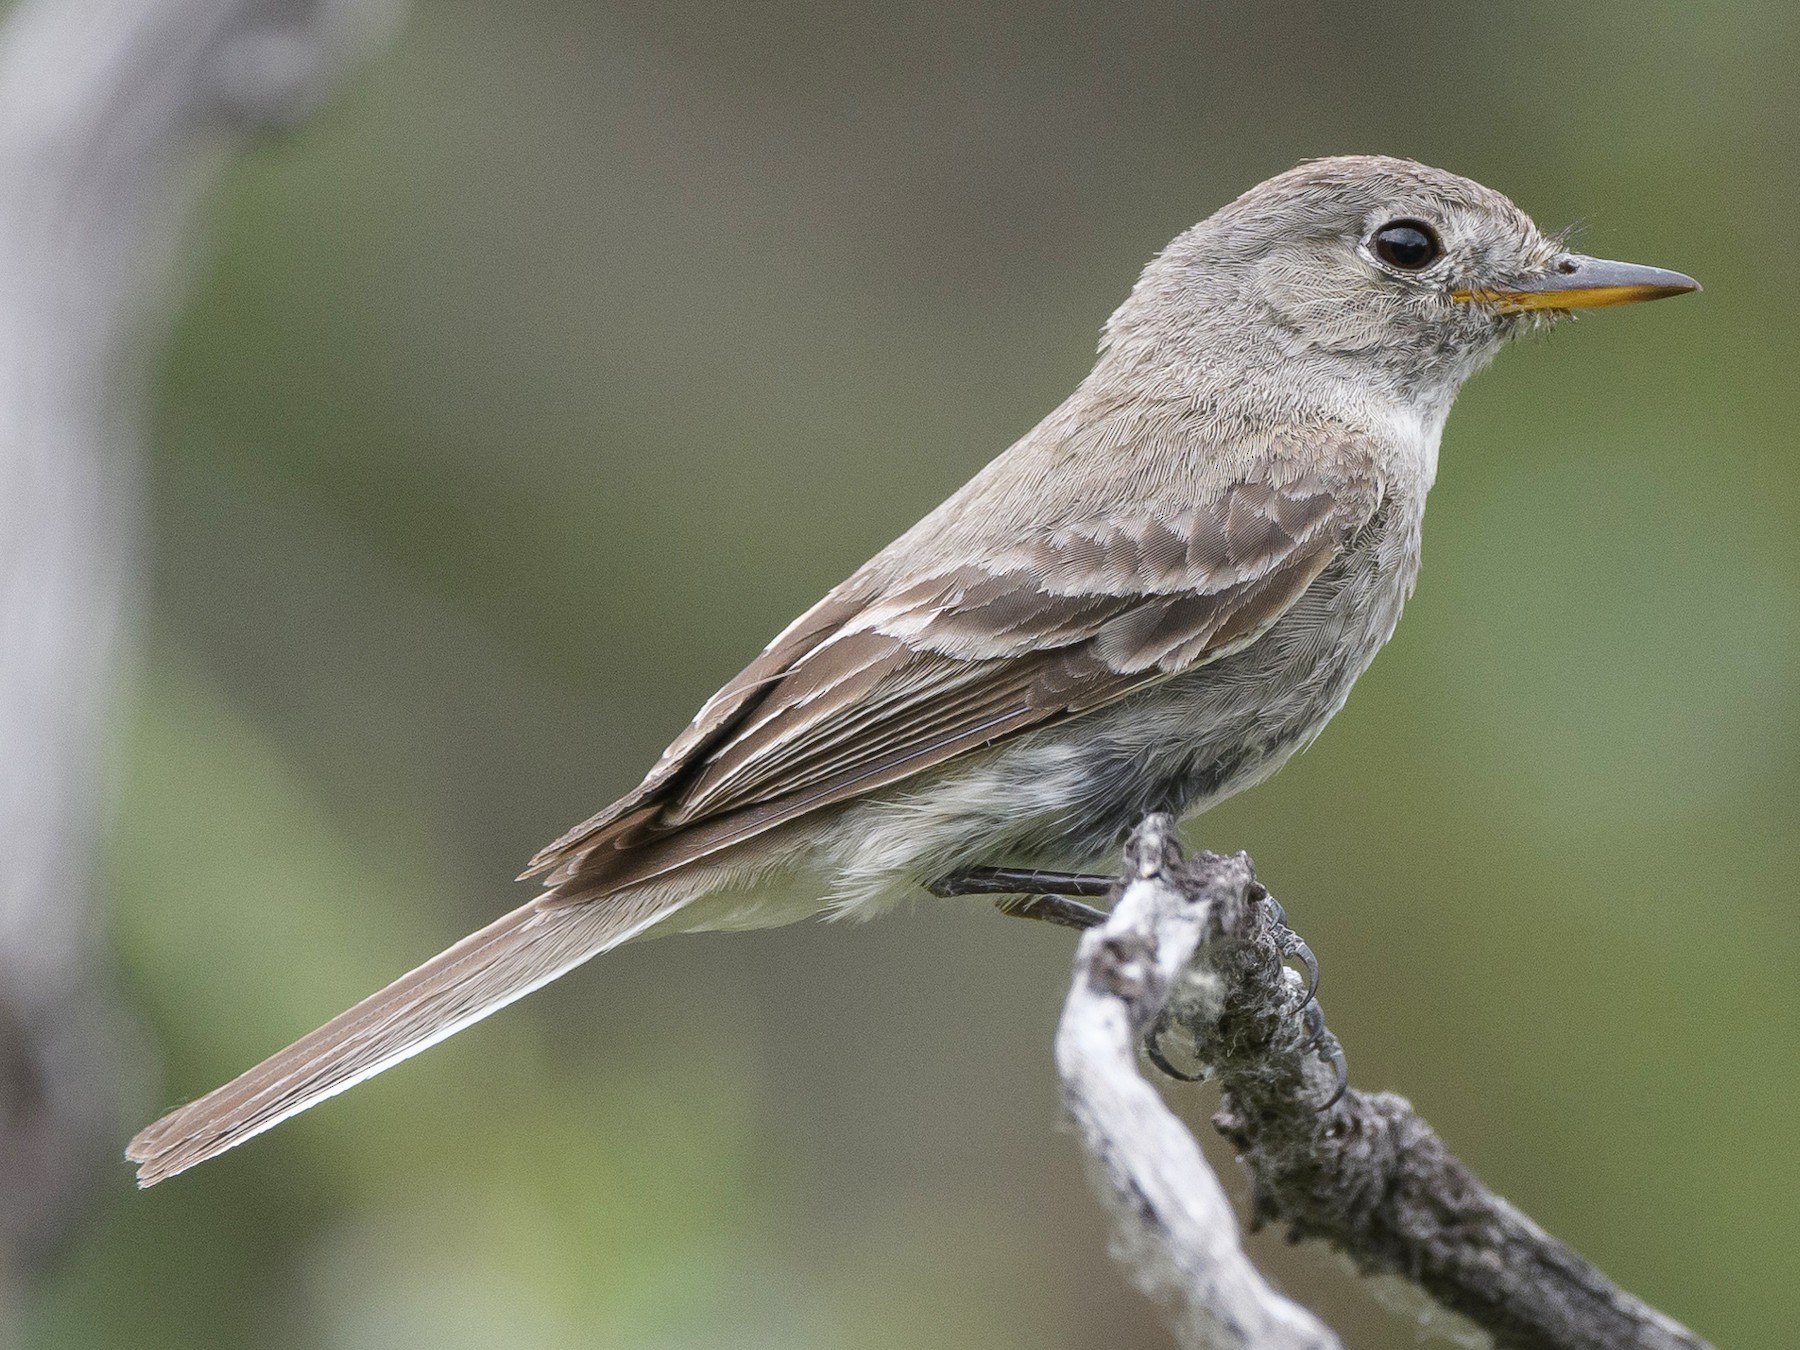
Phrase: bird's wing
pixel 866 689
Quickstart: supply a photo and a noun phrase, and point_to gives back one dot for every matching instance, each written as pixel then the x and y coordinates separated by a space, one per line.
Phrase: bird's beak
pixel 1575 281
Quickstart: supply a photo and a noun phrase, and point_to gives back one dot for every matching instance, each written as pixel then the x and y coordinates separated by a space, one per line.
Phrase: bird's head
pixel 1399 274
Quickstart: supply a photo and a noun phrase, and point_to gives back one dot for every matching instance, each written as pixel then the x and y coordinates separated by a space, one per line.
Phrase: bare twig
pixel 1193 951
pixel 1177 1235
pixel 114 116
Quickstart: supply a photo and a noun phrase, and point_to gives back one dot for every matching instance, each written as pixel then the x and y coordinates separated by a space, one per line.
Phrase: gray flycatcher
pixel 1152 600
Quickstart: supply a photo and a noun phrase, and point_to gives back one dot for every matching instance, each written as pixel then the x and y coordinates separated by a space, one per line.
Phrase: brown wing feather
pixel 711 725
pixel 866 690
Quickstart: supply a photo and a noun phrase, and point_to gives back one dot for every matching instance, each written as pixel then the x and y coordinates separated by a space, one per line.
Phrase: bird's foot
pixel 1052 897
pixel 1317 1038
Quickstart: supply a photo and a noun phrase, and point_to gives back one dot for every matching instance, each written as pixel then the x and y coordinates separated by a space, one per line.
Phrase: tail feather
pixel 455 989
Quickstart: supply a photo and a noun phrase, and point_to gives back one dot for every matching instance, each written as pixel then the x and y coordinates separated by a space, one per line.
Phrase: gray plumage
pixel 1150 602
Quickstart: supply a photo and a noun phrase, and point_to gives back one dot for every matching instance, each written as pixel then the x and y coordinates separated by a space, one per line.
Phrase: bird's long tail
pixel 455 989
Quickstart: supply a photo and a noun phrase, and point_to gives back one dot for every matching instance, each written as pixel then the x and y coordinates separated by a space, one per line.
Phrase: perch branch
pixel 1193 950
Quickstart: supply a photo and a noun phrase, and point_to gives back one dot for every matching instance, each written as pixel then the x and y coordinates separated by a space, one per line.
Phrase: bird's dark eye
pixel 1410 245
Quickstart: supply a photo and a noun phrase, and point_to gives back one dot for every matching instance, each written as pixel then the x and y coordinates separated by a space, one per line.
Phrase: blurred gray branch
pixel 115 117
pixel 1193 950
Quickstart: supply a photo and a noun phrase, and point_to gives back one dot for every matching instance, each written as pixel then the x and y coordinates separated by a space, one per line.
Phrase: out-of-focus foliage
pixel 557 366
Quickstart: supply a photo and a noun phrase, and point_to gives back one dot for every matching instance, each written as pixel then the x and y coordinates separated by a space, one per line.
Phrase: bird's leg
pixel 1056 909
pixel 1029 894
pixel 1020 881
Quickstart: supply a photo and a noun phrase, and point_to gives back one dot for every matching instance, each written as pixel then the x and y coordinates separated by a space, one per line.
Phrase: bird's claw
pixel 1153 1052
pixel 1340 1068
pixel 1291 944
pixel 1320 1041
pixel 1277 912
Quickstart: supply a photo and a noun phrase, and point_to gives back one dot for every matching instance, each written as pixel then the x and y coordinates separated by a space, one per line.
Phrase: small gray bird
pixel 1152 600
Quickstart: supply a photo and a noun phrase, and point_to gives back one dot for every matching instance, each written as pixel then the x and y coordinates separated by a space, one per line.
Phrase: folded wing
pixel 878 683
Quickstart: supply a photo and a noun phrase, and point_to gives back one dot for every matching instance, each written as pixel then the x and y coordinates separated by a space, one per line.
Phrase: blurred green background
pixel 533 386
